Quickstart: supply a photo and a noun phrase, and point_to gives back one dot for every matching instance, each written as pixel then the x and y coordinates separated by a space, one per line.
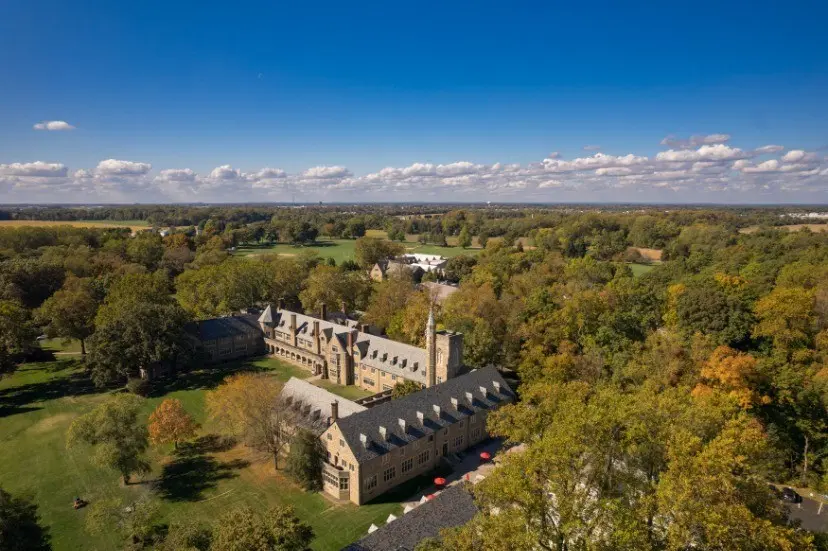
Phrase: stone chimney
pixel 323 312
pixel 281 304
pixel 364 439
pixel 316 344
pixel 437 410
pixel 293 328
pixel 421 417
pixel 401 422
pixel 483 391
pixel 455 403
pixel 383 433
pixel 496 386
pixel 470 397
pixel 343 307
pixel 334 411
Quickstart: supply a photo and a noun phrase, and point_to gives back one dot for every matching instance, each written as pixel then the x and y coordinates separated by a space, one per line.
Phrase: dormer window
pixel 403 362
pixel 415 366
pixel 394 361
pixel 385 356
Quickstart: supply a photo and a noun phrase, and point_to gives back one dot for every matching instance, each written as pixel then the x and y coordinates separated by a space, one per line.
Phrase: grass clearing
pixel 59 345
pixel 640 269
pixel 134 225
pixel 343 249
pixel 39 402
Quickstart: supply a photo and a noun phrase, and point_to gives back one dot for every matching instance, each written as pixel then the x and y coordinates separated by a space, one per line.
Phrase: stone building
pixel 371 452
pixel 228 338
pixel 352 356
pixel 415 265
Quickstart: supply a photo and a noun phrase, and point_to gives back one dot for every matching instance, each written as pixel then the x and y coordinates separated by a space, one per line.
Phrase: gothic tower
pixel 431 350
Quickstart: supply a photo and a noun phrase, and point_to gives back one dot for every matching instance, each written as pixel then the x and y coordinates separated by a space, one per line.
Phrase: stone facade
pixel 350 356
pixel 373 451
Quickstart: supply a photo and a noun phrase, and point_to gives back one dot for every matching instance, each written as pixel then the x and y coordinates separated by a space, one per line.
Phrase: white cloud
pixel 177 175
pixel 35 169
pixel 114 167
pixel 592 148
pixel 768 149
pixel 270 173
pixel 718 152
pixel 767 166
pixel 326 172
pixel 225 172
pixel 799 156
pixel 695 141
pixel 53 125
pixel 599 160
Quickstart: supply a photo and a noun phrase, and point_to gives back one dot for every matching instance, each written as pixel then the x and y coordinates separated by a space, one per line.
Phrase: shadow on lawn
pixel 23 398
pixel 204 378
pixel 193 471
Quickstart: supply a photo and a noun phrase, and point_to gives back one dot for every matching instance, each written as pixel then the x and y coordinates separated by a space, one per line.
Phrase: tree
pixel 305 459
pixel 17 333
pixel 355 228
pixel 786 316
pixel 459 267
pixel 333 287
pixel 733 373
pixel 249 405
pixel 389 298
pixel 186 536
pixel 137 523
pixel 405 388
pixel 70 312
pixel 409 324
pixel 370 250
pixel 464 239
pixel 146 249
pixel 118 439
pixel 20 528
pixel 279 529
pixel 170 422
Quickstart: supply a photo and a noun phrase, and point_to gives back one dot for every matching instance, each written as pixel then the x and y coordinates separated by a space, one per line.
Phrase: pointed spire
pixel 430 324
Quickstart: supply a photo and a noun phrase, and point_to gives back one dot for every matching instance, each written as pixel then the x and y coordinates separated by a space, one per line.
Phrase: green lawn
pixel 348 392
pixel 61 345
pixel 39 402
pixel 640 269
pixel 343 249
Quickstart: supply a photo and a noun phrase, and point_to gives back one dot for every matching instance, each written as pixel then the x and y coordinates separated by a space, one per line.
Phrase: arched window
pixel 439 356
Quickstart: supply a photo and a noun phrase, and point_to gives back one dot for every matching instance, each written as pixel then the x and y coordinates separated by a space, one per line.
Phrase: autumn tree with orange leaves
pixel 170 422
pixel 733 373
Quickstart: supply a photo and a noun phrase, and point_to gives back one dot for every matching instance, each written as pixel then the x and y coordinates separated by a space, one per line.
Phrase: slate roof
pixel 378 352
pixel 453 507
pixel 388 415
pixel 439 291
pixel 316 402
pixel 222 328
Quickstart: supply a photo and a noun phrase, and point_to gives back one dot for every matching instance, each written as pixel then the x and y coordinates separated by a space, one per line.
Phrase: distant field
pixel 640 269
pixel 343 249
pixel 134 225
pixel 653 255
pixel 790 227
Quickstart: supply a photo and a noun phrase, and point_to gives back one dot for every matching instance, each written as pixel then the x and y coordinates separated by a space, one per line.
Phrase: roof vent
pixel 401 422
pixel 364 439
pixel 383 432
pixel 421 417
pixel 455 403
pixel 437 410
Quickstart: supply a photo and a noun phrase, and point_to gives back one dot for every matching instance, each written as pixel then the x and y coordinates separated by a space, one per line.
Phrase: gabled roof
pixel 452 507
pixel 389 414
pixel 267 315
pixel 316 402
pixel 391 356
pixel 227 327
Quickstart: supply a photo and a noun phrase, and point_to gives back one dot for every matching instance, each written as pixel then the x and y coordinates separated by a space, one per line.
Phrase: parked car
pixel 790 495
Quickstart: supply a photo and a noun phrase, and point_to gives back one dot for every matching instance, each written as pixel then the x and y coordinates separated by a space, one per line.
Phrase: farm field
pixel 343 249
pixel 790 227
pixel 134 225
pixel 201 481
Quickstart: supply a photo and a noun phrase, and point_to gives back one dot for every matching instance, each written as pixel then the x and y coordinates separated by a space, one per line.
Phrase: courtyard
pixel 199 482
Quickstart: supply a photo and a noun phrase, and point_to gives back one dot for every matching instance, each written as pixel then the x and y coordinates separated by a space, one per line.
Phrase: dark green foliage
pixel 138 386
pixel 305 459
pixel 20 528
pixel 405 388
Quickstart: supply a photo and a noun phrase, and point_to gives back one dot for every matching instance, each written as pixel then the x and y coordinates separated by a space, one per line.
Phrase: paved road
pixel 808 512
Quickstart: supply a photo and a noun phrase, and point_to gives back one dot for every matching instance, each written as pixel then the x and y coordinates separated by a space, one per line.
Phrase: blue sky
pixel 181 86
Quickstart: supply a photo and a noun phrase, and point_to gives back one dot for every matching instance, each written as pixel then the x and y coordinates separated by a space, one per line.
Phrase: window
pixel 330 478
pixel 386 387
pixel 343 483
pixel 439 379
pixel 241 348
pixel 351 466
pixel 458 442
pixel 407 465
pixel 417 445
pixel 389 474
pixel 423 457
pixel 385 459
pixel 367 381
pixel 475 434
pixel 393 377
pixel 370 483
pixel 330 436
pixel 431 438
pixel 342 442
pixel 373 370
pixel 402 452
pixel 224 351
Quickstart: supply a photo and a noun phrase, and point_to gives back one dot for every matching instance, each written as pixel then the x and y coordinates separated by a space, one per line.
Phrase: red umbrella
pixel 485 456
pixel 430 497
pixel 439 481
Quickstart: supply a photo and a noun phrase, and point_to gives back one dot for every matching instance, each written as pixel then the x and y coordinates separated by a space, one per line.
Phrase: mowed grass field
pixel 343 249
pixel 134 225
pixel 40 401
